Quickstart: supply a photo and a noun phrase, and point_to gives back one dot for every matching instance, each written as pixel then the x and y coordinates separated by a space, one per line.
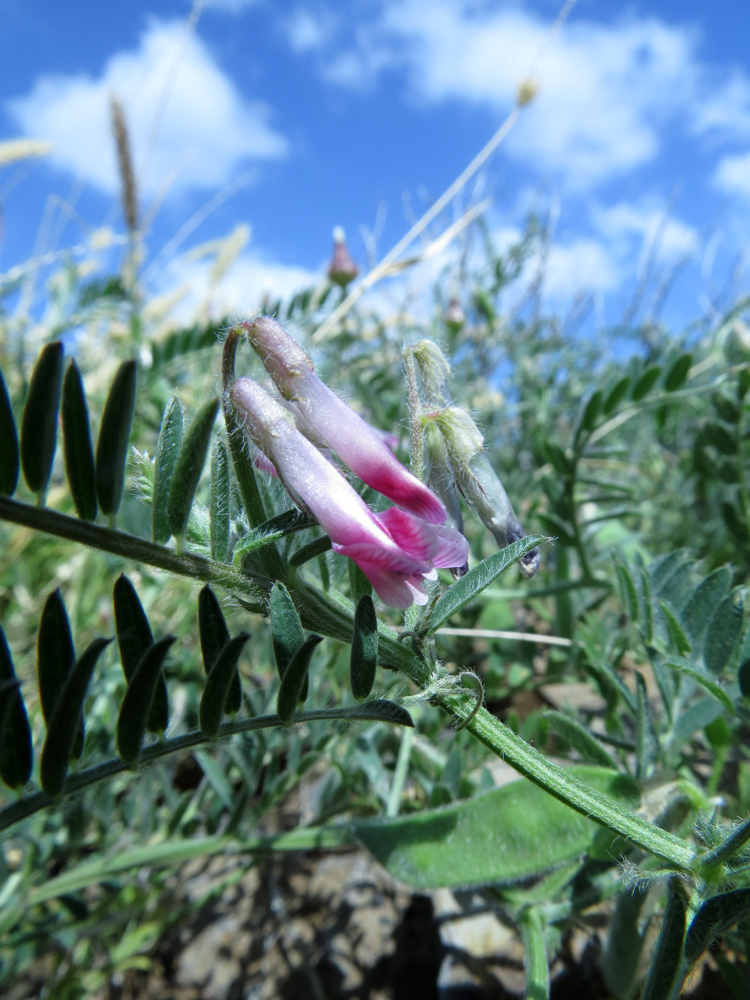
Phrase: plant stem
pixel 31 804
pixel 119 543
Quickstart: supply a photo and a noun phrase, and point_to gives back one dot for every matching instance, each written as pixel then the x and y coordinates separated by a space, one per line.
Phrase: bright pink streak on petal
pixel 395 550
pixel 358 445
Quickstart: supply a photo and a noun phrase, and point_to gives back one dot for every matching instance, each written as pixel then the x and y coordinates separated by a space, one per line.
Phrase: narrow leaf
pixel 364 653
pixel 214 636
pixel 218 504
pixel 510 834
pixel 645 739
pixel 16 754
pixel 9 459
pixel 358 582
pixel 675 377
pixel 114 433
pixel 167 449
pixel 56 654
pixel 475 581
pixel 723 634
pixel 706 682
pixel 645 383
pixel 380 710
pixel 39 420
pixel 223 673
pixel 590 413
pixel 286 628
pixel 703 602
pixel 676 633
pixel 668 951
pixel 134 637
pixel 628 593
pixel 317 547
pixel 56 657
pixel 587 745
pixel 294 680
pixel 137 705
pixel 716 915
pixel 77 447
pixel 188 468
pixel 616 395
pixel 270 531
pixel 66 720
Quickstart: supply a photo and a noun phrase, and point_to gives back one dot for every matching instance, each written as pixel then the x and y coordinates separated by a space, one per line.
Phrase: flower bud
pixel 479 483
pixel 434 370
pixel 454 317
pixel 342 268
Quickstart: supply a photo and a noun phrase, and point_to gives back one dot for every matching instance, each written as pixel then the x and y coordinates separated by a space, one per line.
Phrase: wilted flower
pixel 394 549
pixel 359 446
pixel 342 268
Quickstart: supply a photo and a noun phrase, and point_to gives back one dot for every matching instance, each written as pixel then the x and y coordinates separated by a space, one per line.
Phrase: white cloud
pixel 726 110
pixel 185 116
pixel 732 175
pixel 307 31
pixel 582 265
pixel 604 90
pixel 242 291
pixel 664 239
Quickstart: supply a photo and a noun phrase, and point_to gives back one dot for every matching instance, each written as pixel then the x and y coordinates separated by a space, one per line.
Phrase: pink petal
pixel 453 550
pixel 410 533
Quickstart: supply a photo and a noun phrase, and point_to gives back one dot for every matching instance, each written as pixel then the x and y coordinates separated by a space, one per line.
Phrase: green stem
pixel 535 958
pixel 31 804
pixel 119 543
pixel 399 774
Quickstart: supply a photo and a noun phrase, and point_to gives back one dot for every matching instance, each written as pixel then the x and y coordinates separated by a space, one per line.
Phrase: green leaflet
pixel 645 383
pixel 707 682
pixel 214 636
pixel 286 628
pixel 675 377
pixel 218 504
pixel 481 576
pixel 188 467
pixel 9 459
pixel 134 638
pixel 114 433
pixel 616 395
pixel 66 720
pixel 676 632
pixel 293 685
pixel 703 602
pixel 77 447
pixel 39 420
pixel 724 632
pixel 16 754
pixel 512 833
pixel 715 916
pixel 137 705
pixel 218 685
pixel 668 951
pixel 167 449
pixel 56 657
pixel 364 652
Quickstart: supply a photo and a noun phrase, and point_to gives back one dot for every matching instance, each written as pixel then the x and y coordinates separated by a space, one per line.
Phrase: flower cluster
pixel 397 549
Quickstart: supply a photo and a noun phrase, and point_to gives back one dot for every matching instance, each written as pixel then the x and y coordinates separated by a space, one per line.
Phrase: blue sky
pixel 278 121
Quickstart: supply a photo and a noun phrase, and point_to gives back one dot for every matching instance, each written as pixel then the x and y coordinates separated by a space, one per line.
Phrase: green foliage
pixel 638 468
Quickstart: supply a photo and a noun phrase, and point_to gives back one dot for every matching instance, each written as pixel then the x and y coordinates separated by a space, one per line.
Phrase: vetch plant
pixel 666 648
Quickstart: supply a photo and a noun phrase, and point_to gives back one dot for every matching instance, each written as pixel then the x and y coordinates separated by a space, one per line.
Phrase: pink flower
pixel 358 445
pixel 394 549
